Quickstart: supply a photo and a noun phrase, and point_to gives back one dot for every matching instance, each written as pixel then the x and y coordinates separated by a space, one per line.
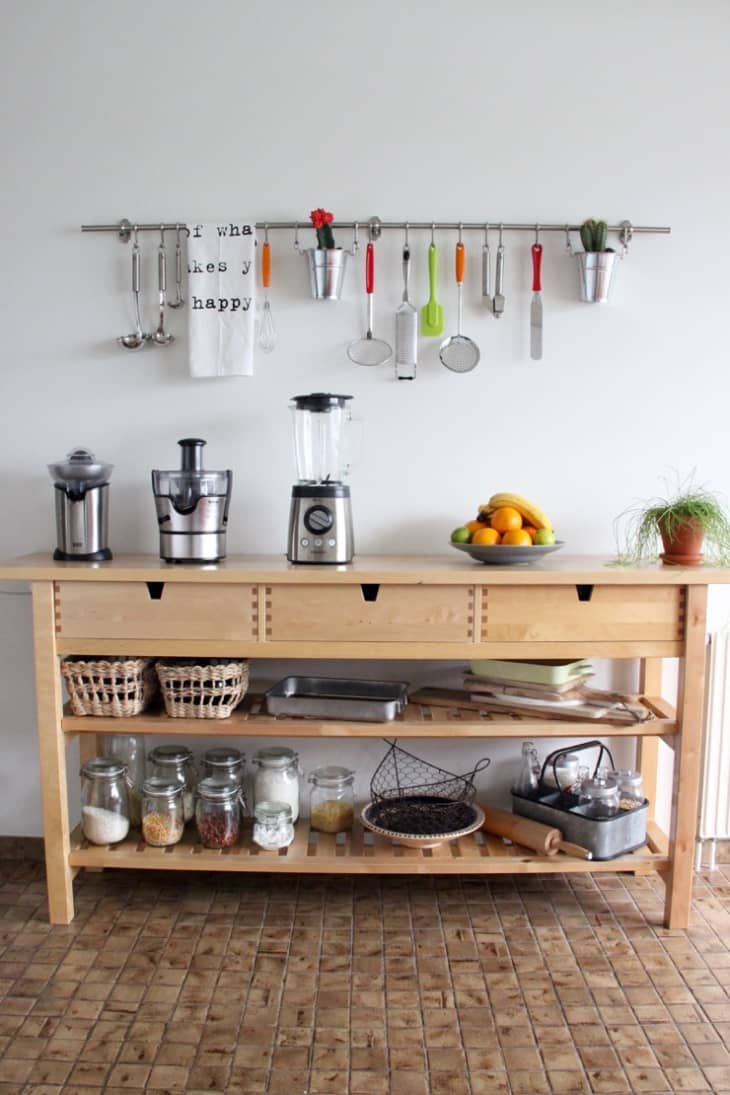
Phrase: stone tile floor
pixel 362 986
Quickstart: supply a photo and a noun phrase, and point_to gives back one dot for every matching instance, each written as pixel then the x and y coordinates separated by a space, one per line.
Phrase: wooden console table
pixel 379 608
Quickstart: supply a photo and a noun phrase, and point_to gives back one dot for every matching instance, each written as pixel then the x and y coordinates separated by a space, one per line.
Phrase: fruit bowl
pixel 507 555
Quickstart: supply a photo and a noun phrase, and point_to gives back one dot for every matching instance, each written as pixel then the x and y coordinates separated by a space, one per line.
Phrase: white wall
pixel 472 110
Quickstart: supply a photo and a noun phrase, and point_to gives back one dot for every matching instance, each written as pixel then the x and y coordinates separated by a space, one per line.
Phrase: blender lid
pixel 80 468
pixel 319 401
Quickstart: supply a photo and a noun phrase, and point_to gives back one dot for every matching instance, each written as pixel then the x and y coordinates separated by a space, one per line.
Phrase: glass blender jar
pixel 320 518
pixel 192 508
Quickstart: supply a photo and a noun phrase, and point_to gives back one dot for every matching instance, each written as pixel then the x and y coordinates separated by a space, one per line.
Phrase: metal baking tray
pixel 337 698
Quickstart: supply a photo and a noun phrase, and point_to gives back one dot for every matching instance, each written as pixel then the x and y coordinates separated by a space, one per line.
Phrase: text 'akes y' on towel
pixel 222 288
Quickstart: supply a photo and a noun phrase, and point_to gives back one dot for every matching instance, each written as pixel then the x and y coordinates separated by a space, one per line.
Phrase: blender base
pixel 320 525
pixel 99 556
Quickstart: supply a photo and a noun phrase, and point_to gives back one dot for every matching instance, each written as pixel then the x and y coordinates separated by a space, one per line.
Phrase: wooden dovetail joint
pixel 57 607
pixel 267 613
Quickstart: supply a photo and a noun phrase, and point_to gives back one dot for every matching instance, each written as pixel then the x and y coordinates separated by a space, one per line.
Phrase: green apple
pixel 544 536
pixel 460 535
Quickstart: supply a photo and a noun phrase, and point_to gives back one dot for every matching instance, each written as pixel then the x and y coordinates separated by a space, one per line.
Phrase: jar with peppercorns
pixel 218 812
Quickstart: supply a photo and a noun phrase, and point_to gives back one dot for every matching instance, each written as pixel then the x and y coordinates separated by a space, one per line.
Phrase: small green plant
pixel 687 503
pixel 594 235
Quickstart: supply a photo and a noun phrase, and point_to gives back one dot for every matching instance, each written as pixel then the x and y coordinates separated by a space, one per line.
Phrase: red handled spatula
pixel 536 305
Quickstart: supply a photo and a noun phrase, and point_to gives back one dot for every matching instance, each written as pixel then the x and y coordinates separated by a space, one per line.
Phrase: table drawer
pixel 577 613
pixel 155 610
pixel 376 613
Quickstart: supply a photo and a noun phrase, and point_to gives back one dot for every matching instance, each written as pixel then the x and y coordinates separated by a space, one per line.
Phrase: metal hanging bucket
pixel 326 271
pixel 595 270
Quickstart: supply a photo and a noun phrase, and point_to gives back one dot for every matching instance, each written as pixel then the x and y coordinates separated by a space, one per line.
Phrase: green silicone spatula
pixel 432 313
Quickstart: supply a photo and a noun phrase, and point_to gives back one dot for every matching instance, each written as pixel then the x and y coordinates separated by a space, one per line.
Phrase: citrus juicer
pixel 81 485
pixel 320 517
pixel 192 508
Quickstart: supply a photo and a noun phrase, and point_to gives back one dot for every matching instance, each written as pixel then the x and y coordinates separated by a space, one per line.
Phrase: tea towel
pixel 222 289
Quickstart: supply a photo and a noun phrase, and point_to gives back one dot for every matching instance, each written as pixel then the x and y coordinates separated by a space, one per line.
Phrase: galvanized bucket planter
pixel 327 268
pixel 595 270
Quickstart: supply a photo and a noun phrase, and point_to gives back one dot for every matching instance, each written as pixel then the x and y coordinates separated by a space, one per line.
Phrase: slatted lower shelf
pixel 359 852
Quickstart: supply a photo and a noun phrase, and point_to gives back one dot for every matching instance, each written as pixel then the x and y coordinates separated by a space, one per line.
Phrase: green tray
pixel 541 671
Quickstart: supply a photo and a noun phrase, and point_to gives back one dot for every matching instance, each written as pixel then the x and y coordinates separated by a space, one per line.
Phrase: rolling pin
pixel 530 834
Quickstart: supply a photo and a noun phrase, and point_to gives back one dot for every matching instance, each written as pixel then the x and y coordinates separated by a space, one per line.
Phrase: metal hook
pixel 461 226
pixel 355 239
pixel 433 229
pixel 625 235
pixel 500 234
pixel 296 237
pixel 135 234
pixel 162 235
pixel 537 234
pixel 486 233
pixel 568 244
pixel 266 233
pixel 406 244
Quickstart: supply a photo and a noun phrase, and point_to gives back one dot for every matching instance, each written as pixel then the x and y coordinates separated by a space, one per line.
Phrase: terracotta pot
pixel 684 546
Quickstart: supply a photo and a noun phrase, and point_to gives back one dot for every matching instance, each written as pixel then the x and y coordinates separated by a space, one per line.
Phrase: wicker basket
pixel 119 689
pixel 202 690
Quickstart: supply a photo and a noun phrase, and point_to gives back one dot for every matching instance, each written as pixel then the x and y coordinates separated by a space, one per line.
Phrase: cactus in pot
pixel 595 261
pixel 594 235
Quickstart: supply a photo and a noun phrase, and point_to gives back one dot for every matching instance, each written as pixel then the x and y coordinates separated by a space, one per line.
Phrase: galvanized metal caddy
pixel 605 837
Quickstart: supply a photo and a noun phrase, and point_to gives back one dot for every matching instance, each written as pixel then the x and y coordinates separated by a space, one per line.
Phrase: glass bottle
pixel 128 749
pixel 273 825
pixel 176 762
pixel 331 800
pixel 163 811
pixel 277 778
pixel 527 777
pixel 104 801
pixel 218 812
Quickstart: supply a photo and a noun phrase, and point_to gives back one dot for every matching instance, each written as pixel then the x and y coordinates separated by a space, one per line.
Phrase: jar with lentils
pixel 218 812
pixel 163 811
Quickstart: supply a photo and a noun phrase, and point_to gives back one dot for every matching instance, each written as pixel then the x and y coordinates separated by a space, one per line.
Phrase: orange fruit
pixel 474 526
pixel 532 530
pixel 518 537
pixel 505 519
pixel 485 536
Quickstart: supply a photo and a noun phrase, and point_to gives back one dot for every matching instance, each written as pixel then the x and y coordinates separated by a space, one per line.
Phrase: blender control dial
pixel 318 519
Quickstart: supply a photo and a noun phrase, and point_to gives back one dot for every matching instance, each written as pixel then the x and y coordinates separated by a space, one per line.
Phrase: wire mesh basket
pixel 410 795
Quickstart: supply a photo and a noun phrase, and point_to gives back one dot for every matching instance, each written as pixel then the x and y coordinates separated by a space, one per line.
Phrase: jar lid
pixel 103 768
pixel 599 788
pixel 171 754
pixel 331 776
pixel 567 760
pixel 276 756
pixel 223 757
pixel 160 785
pixel 627 777
pixel 273 811
pixel 217 789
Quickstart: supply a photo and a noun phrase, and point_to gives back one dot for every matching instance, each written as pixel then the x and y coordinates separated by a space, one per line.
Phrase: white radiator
pixel 714 816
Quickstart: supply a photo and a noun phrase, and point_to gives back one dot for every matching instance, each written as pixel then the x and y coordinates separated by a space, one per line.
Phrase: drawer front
pixel 381 613
pixel 606 613
pixel 155 610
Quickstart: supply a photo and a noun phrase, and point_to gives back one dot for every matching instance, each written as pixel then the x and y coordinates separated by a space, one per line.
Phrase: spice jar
pixel 176 762
pixel 331 801
pixel 277 778
pixel 163 811
pixel 218 812
pixel 630 788
pixel 566 771
pixel 273 826
pixel 104 801
pixel 225 763
pixel 600 795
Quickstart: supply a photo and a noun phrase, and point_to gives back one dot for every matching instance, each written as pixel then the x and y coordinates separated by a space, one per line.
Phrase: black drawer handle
pixel 584 592
pixel 155 590
pixel 370 591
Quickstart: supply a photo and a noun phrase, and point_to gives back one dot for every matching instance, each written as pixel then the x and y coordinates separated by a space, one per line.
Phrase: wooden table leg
pixel 647 758
pixel 687 762
pixel 52 755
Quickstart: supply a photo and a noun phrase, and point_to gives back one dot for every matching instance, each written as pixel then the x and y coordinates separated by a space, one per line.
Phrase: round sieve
pixel 369 350
pixel 459 353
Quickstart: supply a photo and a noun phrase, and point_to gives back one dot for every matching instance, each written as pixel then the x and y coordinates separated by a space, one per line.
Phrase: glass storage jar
pixel 273 826
pixel 600 795
pixel 331 800
pixel 277 778
pixel 128 749
pixel 176 762
pixel 630 788
pixel 163 811
pixel 225 763
pixel 104 801
pixel 218 812
pixel 566 771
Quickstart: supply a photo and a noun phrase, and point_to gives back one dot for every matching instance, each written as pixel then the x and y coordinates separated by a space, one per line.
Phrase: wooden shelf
pixel 359 852
pixel 419 720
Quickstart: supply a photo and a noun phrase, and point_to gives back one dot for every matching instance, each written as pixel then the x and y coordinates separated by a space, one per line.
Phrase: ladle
pixel 161 336
pixel 136 340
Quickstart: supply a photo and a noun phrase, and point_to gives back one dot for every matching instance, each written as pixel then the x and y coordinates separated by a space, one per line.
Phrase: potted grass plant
pixel 686 521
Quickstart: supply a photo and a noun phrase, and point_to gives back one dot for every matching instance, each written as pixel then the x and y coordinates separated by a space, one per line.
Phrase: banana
pixel 529 511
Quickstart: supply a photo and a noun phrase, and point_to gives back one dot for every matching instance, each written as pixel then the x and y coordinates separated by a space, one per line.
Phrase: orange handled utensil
pixel 459 353
pixel 267 332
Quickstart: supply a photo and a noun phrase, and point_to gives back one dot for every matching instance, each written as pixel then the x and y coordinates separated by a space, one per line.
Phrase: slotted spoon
pixel 459 353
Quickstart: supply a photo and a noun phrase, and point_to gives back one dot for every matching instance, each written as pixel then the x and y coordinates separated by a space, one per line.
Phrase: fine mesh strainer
pixel 369 350
pixel 459 353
